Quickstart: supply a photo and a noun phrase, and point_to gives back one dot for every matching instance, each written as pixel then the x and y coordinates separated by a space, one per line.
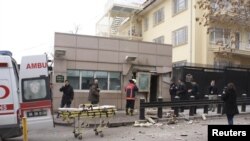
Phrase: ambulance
pixel 24 92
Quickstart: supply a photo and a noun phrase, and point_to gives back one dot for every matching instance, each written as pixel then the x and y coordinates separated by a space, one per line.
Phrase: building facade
pixel 201 31
pixel 80 58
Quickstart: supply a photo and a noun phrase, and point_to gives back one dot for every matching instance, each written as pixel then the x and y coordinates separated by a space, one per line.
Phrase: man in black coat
pixel 68 94
pixel 230 106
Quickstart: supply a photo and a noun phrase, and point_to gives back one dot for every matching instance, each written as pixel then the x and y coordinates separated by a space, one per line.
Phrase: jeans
pixel 230 119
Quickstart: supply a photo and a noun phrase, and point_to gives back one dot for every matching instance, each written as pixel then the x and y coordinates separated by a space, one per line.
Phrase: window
pixel 180 36
pixel 73 77
pixel 34 89
pixel 159 40
pixel 219 36
pixel 102 80
pixel 106 80
pixel 159 16
pixel 146 24
pixel 115 81
pixel 87 78
pixel 179 6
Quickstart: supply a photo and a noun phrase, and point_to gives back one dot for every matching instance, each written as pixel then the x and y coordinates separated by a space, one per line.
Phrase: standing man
pixel 94 92
pixel 230 106
pixel 182 92
pixel 172 90
pixel 212 94
pixel 130 90
pixel 68 94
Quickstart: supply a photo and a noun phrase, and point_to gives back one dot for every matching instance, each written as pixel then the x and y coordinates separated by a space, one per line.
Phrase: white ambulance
pixel 24 93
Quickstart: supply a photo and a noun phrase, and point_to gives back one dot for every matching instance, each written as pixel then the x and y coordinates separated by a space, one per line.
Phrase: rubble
pixel 203 116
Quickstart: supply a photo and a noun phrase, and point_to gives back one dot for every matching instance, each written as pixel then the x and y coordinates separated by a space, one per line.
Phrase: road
pixel 183 130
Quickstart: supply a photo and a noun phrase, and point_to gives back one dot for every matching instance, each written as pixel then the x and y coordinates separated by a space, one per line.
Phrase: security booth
pixel 80 58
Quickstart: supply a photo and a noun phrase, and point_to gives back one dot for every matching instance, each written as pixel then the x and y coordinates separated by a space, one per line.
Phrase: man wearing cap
pixel 130 90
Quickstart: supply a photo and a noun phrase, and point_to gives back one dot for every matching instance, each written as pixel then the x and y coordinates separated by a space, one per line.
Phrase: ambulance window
pixel 34 89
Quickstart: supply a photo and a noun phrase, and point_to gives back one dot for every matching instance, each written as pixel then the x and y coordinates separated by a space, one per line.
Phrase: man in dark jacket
pixel 172 90
pixel 213 94
pixel 130 90
pixel 68 94
pixel 94 92
pixel 230 106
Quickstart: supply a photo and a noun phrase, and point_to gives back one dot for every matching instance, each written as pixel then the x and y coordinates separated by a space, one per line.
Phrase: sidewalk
pixel 121 119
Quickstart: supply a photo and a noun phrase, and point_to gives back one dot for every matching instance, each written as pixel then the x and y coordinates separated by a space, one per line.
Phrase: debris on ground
pixel 172 120
pixel 150 119
pixel 142 124
pixel 203 116
pixel 190 122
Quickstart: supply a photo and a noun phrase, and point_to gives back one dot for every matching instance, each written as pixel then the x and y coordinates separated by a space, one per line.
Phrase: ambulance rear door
pixel 35 94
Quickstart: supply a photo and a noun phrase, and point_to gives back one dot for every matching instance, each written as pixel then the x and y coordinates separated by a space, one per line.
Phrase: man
pixel 130 90
pixel 172 90
pixel 68 94
pixel 94 92
pixel 213 94
pixel 182 92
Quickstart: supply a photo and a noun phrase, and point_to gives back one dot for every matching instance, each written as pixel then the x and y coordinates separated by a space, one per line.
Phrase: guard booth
pixel 203 74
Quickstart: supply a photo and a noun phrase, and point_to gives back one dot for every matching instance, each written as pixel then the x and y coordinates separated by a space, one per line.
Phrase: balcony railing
pixel 241 48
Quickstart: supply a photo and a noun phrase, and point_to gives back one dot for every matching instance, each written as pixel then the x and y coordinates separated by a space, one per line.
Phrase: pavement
pixel 121 119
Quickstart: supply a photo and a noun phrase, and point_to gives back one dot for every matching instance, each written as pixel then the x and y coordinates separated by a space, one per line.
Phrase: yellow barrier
pixel 25 129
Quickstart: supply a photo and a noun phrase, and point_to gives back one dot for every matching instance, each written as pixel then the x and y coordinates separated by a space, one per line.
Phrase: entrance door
pixel 153 88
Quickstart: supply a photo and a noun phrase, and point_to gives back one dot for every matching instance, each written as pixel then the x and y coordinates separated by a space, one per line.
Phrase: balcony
pixel 119 20
pixel 240 49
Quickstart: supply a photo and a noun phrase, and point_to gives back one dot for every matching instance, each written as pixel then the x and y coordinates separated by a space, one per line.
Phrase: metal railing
pixel 178 105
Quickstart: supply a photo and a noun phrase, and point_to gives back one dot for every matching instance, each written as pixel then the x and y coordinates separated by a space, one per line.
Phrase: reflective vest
pixel 130 91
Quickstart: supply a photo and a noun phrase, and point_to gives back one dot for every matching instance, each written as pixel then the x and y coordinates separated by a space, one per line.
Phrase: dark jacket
pixel 94 93
pixel 173 89
pixel 195 91
pixel 68 93
pixel 230 106
pixel 212 90
pixel 182 91
pixel 131 90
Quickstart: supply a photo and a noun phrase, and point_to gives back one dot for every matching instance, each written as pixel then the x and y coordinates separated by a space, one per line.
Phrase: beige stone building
pixel 201 31
pixel 80 58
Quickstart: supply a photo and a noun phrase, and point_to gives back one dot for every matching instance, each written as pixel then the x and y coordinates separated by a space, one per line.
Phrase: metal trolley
pixel 86 112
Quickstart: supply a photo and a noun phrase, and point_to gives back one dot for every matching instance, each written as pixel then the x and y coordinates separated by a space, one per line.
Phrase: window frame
pixel 94 71
pixel 174 35
pixel 176 8
pixel 157 18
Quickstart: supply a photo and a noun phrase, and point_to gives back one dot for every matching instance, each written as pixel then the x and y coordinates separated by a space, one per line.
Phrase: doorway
pixel 153 88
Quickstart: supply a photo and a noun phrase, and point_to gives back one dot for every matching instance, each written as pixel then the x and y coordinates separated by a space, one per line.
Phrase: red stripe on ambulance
pixel 36 105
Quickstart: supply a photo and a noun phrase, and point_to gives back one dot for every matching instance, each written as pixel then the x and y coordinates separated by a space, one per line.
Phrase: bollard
pixel 243 106
pixel 25 129
pixel 219 107
pixel 176 109
pixel 191 109
pixel 206 106
pixel 159 111
pixel 142 110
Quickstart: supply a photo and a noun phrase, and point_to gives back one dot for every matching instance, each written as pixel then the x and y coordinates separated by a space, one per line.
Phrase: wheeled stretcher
pixel 86 112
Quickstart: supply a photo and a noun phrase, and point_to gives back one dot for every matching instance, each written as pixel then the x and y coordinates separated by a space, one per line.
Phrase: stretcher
pixel 85 113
